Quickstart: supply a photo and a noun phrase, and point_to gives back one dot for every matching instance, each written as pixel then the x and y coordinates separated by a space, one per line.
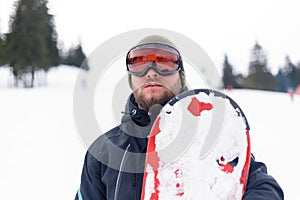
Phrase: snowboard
pixel 198 148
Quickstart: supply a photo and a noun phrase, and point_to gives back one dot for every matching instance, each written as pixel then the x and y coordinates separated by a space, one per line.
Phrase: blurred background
pixel 254 44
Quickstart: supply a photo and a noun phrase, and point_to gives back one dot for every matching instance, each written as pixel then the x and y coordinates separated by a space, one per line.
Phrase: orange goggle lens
pixel 163 58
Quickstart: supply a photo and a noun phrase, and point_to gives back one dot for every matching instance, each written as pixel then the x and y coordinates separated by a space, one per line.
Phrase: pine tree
pixel 2 52
pixel 289 71
pixel 297 75
pixel 32 41
pixel 281 81
pixel 258 60
pixel 259 76
pixel 230 79
pixel 76 57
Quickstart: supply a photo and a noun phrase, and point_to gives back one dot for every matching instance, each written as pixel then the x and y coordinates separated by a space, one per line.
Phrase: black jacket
pixel 114 164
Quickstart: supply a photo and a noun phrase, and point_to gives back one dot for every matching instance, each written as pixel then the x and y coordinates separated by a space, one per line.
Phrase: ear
pixel 129 81
pixel 182 78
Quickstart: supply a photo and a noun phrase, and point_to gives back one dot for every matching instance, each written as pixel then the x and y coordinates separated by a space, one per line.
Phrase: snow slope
pixel 41 153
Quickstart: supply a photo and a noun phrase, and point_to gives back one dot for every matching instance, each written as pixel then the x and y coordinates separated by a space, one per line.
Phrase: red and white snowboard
pixel 199 148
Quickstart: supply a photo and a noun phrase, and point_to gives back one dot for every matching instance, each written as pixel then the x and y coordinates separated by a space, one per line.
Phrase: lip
pixel 150 85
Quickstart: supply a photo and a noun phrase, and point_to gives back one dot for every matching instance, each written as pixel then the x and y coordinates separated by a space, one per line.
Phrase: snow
pixel 42 155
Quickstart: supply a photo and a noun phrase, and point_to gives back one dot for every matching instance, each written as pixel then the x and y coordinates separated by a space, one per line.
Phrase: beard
pixel 145 97
pixel 146 103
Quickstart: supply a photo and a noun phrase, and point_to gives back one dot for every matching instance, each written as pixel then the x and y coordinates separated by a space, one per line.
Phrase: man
pixel 114 164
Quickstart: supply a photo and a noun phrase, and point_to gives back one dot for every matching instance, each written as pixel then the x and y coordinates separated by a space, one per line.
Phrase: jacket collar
pixel 139 116
pixel 138 122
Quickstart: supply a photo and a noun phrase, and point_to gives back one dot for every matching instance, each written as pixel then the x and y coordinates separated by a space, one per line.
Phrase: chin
pixel 157 94
pixel 154 98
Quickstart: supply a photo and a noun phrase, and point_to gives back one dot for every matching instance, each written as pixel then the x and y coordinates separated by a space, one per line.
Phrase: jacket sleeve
pixel 260 185
pixel 91 186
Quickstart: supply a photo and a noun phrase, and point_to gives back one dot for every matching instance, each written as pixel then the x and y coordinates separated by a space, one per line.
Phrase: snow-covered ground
pixel 42 155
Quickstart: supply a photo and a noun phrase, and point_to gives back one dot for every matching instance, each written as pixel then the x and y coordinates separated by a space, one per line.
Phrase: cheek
pixel 176 85
pixel 174 81
pixel 136 82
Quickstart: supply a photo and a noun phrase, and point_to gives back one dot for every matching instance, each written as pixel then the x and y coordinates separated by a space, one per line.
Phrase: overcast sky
pixel 218 26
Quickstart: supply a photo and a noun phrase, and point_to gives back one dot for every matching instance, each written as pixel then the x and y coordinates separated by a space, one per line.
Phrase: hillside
pixel 42 154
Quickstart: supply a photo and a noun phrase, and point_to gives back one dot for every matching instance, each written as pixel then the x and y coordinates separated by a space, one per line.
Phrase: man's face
pixel 153 88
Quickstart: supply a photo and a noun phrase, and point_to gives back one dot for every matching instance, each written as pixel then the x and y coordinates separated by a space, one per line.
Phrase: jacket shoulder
pixel 98 145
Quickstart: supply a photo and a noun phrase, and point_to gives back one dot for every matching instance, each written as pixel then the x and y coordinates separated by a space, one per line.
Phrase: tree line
pixel 30 46
pixel 259 74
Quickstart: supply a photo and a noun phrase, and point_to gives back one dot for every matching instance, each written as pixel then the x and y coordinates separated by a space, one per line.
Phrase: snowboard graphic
pixel 199 148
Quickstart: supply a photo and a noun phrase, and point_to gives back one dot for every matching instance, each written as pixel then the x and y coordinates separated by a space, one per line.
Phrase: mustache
pixel 151 80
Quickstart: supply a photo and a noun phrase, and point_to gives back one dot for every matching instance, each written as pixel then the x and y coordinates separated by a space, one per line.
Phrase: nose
pixel 151 73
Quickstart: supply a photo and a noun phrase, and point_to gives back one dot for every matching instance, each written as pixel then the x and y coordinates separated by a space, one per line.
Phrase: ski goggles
pixel 163 58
